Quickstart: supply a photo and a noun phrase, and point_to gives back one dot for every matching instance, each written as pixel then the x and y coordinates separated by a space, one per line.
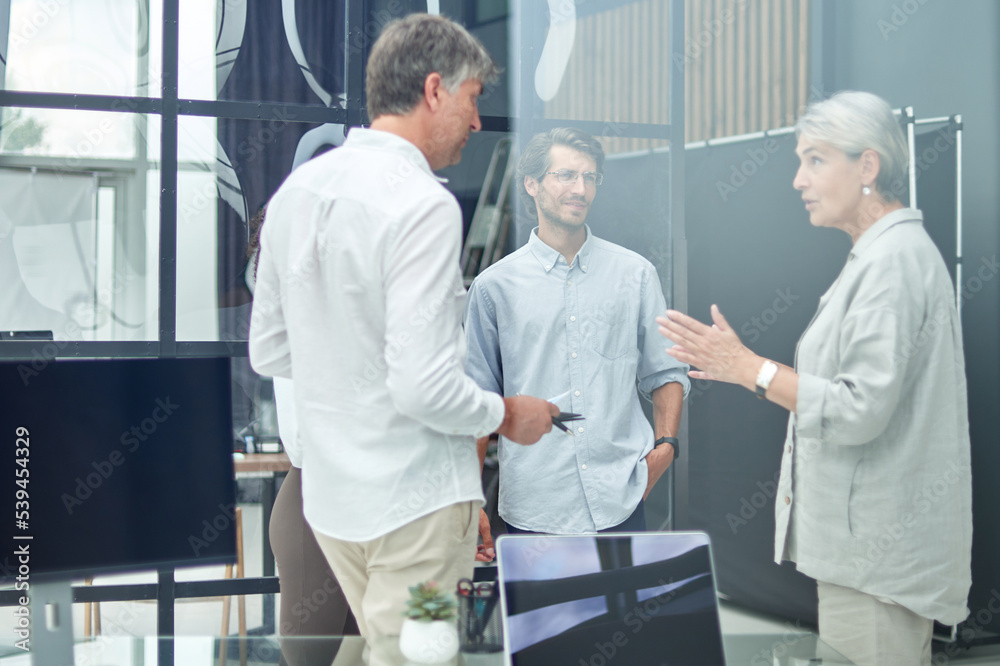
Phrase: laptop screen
pixel 605 599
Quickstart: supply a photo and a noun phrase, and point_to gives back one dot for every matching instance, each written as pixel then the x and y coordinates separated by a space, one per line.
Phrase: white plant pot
pixel 428 642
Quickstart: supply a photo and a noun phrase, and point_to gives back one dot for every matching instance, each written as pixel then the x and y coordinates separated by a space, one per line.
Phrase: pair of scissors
pixel 482 593
pixel 466 588
pixel 557 421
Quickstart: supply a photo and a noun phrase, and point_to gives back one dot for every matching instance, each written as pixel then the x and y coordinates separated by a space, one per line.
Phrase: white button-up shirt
pixel 875 491
pixel 359 298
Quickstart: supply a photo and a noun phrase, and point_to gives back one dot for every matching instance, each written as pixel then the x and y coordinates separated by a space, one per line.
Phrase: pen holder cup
pixel 479 625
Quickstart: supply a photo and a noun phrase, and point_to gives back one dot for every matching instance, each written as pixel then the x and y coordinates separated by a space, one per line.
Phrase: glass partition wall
pixel 138 138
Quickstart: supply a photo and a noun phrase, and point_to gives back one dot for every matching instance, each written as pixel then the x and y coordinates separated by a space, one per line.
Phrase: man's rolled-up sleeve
pixel 656 367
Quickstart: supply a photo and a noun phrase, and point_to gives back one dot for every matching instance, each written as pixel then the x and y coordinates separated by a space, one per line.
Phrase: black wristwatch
pixel 672 441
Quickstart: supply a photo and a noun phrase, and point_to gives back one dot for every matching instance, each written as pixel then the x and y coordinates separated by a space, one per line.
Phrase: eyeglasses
pixel 567 177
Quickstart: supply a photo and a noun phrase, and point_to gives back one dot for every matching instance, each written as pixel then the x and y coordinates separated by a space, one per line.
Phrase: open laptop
pixel 605 599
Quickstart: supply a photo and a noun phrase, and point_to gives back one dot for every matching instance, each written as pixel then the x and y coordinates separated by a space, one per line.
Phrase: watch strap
pixel 672 441
pixel 764 376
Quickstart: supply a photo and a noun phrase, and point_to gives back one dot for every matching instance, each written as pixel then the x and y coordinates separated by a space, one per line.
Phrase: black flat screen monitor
pixel 116 465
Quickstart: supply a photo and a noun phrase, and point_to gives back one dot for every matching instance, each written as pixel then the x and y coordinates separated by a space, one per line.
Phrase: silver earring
pixel 866 190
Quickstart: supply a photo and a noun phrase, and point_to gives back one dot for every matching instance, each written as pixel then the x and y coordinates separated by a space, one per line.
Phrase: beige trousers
pixel 375 575
pixel 872 632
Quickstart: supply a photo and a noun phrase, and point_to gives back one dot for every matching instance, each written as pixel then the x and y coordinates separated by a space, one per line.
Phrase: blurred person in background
pixel 312 603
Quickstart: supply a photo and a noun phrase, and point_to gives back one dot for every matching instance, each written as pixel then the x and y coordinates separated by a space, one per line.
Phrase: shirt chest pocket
pixel 611 339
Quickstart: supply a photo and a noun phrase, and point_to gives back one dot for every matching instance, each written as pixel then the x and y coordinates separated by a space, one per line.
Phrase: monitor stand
pixel 51 623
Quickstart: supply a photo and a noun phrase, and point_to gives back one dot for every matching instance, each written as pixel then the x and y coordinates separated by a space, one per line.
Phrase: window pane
pixel 98 47
pixel 228 169
pixel 74 135
pixel 262 51
pixel 605 62
pixel 79 229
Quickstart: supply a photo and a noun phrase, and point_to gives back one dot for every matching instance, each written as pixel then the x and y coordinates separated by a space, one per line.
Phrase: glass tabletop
pixel 787 649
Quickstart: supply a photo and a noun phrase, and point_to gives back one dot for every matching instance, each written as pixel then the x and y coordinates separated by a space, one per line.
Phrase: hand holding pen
pixel 526 419
pixel 557 421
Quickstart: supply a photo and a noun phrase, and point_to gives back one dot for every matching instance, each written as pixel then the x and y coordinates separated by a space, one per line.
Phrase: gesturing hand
pixel 715 349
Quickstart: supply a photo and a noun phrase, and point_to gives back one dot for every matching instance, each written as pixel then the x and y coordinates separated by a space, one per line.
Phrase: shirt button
pixel 576 393
pixel 569 282
pixel 580 429
pixel 547 267
pixel 573 354
pixel 572 318
pixel 788 500
pixel 583 267
pixel 583 467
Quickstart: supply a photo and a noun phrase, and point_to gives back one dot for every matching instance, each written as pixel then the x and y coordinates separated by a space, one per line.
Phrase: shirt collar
pixel 884 224
pixel 549 257
pixel 367 138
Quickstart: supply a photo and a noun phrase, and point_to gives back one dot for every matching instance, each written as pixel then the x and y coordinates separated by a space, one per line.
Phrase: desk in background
pixel 268 467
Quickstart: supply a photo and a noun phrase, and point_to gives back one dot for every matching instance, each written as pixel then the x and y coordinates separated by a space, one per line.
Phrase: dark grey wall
pixel 943 57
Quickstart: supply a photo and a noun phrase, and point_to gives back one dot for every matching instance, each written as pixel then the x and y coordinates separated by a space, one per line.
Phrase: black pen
pixel 557 421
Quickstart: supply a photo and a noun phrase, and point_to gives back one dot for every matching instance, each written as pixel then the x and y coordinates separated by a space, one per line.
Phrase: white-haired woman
pixel 875 498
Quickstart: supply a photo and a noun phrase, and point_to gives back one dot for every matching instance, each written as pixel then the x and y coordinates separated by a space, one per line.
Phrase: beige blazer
pixel 875 491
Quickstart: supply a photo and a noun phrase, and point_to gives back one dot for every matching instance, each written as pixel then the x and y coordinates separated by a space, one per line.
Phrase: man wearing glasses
pixel 570 318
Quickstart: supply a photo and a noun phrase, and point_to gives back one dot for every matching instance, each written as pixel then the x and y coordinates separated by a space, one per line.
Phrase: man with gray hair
pixel 572 316
pixel 359 298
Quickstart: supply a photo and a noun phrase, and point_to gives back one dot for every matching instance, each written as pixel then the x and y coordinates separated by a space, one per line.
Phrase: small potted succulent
pixel 430 630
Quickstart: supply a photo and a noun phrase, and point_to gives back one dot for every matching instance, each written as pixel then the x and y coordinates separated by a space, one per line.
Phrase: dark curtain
pixel 260 151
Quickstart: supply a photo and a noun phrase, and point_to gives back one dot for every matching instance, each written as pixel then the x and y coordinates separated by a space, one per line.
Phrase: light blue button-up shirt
pixel 579 335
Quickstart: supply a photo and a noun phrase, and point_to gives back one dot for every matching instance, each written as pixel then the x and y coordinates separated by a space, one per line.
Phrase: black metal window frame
pixel 170 108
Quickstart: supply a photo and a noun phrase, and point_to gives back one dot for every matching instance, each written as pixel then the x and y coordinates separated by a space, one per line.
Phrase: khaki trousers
pixel 375 575
pixel 872 632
